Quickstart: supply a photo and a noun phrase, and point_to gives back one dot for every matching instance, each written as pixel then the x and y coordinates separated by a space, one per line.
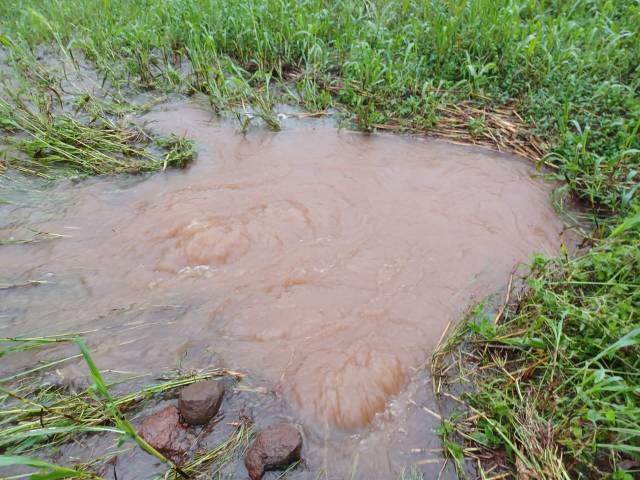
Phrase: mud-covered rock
pixel 275 448
pixel 166 433
pixel 199 402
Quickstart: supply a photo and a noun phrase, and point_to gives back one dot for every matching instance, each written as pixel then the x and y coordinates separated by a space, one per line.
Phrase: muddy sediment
pixel 325 263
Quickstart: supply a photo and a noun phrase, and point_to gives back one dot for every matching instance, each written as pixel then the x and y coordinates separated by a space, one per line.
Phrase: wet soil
pixel 326 264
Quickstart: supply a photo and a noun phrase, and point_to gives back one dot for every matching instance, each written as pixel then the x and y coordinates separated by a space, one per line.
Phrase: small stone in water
pixel 199 402
pixel 164 432
pixel 276 448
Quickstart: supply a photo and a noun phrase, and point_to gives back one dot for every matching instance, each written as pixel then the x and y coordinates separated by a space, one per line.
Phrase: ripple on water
pixel 326 263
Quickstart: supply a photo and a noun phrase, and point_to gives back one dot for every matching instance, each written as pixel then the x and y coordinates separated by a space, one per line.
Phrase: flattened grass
pixel 34 418
pixel 57 144
pixel 552 390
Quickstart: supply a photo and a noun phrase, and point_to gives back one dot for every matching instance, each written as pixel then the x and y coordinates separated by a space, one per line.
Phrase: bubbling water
pixel 327 263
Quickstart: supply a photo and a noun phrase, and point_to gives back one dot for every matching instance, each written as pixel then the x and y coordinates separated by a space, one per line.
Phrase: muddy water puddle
pixel 326 264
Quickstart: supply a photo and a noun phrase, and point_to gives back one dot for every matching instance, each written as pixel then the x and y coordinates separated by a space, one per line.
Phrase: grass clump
pixel 179 151
pixel 51 145
pixel 556 381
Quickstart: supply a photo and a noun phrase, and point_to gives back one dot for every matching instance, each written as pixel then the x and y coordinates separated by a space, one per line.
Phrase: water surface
pixel 325 263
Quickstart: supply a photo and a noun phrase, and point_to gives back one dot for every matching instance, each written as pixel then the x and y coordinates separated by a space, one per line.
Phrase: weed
pixel 555 381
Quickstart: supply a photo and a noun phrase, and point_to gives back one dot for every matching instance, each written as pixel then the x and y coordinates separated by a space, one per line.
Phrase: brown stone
pixel 164 432
pixel 276 448
pixel 199 402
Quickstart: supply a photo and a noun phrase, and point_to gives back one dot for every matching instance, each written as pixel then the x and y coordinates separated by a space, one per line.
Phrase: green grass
pixel 570 69
pixel 60 144
pixel 46 470
pixel 555 382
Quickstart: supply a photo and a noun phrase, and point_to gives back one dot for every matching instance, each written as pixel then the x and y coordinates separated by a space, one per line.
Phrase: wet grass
pixel 210 463
pixel 36 417
pixel 59 144
pixel 555 379
pixel 552 382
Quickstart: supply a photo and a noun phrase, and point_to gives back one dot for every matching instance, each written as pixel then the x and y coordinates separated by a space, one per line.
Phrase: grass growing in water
pixel 60 143
pixel 34 418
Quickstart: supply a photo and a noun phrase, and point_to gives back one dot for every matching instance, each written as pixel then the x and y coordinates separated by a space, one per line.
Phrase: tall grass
pixel 569 69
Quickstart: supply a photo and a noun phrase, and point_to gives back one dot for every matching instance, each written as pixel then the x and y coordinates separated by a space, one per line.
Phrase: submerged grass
pixel 35 238
pixel 36 417
pixel 210 463
pixel 555 374
pixel 54 144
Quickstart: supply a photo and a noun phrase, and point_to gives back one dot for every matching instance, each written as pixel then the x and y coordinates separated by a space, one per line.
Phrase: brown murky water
pixel 326 264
